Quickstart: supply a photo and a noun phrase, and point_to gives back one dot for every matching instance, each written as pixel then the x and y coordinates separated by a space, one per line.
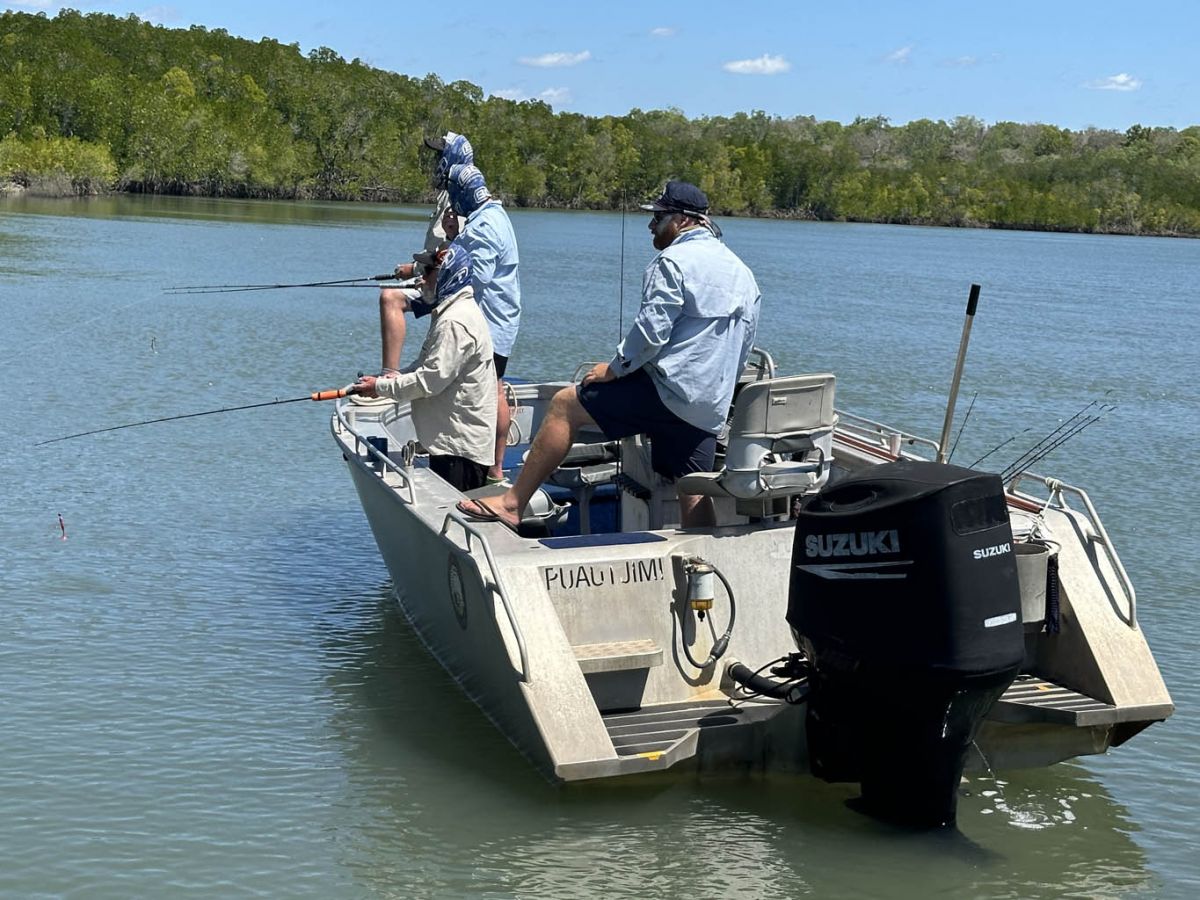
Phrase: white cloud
pixel 662 32
pixel 764 65
pixel 159 15
pixel 555 60
pixel 900 56
pixel 964 61
pixel 553 96
pixel 1121 82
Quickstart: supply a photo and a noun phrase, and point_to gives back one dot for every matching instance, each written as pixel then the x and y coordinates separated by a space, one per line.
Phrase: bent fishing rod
pixel 363 281
pixel 315 395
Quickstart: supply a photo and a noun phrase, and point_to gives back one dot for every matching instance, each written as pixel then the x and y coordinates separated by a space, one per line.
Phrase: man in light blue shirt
pixel 491 244
pixel 673 375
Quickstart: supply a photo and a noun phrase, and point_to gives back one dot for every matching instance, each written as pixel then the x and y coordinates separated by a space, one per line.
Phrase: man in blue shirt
pixel 673 375
pixel 488 238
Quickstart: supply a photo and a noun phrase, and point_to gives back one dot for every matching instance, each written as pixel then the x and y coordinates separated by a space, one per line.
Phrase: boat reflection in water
pixel 436 799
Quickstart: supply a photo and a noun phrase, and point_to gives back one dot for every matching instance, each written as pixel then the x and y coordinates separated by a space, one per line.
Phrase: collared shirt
pixel 694 329
pixel 488 237
pixel 452 383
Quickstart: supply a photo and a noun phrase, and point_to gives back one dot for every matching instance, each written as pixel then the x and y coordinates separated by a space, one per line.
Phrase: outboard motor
pixel 904 596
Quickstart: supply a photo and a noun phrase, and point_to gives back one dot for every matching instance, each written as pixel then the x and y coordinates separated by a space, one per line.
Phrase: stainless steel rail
pixel 497 586
pixel 765 364
pixel 341 423
pixel 1056 500
pixel 884 436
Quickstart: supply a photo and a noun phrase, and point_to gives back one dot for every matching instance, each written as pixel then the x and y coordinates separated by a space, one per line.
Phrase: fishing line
pixel 316 395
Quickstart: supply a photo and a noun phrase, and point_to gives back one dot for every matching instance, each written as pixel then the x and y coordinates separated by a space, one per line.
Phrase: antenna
pixel 621 286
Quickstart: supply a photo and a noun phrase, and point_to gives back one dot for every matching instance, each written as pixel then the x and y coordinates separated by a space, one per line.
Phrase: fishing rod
pixel 1009 440
pixel 1055 433
pixel 233 288
pixel 315 395
pixel 1003 443
pixel 1066 437
pixel 1024 464
pixel 966 419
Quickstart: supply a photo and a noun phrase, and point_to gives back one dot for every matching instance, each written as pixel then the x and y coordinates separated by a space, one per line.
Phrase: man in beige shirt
pixel 452 382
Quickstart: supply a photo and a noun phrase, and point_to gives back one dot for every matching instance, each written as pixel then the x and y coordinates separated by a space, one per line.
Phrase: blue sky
pixel 1064 62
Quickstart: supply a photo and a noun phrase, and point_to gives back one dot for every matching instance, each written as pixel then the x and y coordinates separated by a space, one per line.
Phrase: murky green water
pixel 207 690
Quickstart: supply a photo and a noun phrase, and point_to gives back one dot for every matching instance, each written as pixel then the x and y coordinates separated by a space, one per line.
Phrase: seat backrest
pixel 779 446
pixel 783 406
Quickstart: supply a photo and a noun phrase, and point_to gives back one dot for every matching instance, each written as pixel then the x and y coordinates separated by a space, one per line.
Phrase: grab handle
pixel 496 585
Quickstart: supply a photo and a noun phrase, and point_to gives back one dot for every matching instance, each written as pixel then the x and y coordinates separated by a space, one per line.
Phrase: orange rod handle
pixel 330 395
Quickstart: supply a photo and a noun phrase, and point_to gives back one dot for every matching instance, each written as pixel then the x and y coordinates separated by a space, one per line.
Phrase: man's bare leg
pixel 392 305
pixel 696 511
pixel 563 419
pixel 503 418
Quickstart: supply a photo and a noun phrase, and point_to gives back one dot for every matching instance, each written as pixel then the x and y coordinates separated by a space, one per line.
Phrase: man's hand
pixel 601 373
pixel 365 386
pixel 450 224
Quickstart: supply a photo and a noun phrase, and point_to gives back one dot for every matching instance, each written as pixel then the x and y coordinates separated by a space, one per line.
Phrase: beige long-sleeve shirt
pixel 452 383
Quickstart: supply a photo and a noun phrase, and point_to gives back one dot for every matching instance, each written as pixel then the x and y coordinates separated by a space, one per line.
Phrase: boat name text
pixel 595 575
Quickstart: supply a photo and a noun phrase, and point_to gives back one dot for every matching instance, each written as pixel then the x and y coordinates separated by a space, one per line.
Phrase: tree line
pixel 94 103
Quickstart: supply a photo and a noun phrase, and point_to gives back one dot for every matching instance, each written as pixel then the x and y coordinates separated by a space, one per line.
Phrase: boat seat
pixel 586 467
pixel 780 441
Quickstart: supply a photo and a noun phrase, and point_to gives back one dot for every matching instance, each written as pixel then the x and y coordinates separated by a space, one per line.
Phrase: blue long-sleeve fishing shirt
pixel 489 239
pixel 694 329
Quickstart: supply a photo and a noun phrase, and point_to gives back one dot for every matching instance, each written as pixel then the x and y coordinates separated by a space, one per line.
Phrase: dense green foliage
pixel 97 102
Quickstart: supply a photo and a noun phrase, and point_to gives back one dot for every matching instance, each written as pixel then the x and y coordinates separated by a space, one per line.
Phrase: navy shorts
pixel 631 405
pixel 501 363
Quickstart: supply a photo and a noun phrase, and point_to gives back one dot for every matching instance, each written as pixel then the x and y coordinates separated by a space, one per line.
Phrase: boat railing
pixel 387 464
pixel 1057 499
pixel 765 363
pixel 884 437
pixel 496 586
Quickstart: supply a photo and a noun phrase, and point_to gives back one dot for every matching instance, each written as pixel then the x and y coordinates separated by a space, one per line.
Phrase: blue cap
pixel 454 273
pixel 456 150
pixel 467 189
pixel 679 197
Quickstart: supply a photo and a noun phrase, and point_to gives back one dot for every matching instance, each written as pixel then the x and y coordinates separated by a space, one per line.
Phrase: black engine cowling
pixel 904 594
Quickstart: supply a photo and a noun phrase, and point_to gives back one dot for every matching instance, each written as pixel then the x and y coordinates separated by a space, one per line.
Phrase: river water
pixel 208 690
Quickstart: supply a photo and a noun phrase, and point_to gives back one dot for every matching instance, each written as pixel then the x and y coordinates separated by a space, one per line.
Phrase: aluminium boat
pixel 860 611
